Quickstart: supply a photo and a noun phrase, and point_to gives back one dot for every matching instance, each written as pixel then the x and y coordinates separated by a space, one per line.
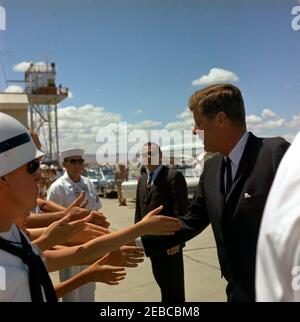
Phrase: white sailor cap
pixel 72 153
pixel 16 145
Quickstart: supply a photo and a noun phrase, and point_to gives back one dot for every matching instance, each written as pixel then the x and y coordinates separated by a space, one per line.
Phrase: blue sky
pixel 137 59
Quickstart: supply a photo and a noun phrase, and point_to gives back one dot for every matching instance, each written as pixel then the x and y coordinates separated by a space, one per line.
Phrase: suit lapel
pixel 250 152
pixel 219 192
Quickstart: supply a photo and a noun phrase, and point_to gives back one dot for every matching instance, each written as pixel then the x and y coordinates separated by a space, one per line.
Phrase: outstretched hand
pixel 100 272
pixel 160 225
pixel 126 256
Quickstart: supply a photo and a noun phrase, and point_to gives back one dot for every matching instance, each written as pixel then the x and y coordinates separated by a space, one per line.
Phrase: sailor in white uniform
pixel 23 275
pixel 64 191
pixel 278 252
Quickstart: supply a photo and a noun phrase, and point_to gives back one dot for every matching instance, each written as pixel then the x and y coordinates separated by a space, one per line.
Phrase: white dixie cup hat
pixel 16 145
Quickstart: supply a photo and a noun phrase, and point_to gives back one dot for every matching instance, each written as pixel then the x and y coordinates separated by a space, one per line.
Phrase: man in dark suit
pixel 233 188
pixel 167 187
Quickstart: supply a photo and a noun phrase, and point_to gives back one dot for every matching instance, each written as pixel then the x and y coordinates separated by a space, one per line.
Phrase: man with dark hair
pixel 233 188
pixel 167 187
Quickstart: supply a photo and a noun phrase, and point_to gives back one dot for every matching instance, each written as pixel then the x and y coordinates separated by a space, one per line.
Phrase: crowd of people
pixel 50 223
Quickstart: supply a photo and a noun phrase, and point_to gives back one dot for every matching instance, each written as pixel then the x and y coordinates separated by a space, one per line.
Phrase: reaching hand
pixel 59 232
pixel 97 218
pixel 111 275
pixel 77 213
pixel 81 201
pixel 126 256
pixel 160 225
pixel 89 232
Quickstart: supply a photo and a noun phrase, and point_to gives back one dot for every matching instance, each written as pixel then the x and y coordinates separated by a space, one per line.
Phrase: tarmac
pixel 203 281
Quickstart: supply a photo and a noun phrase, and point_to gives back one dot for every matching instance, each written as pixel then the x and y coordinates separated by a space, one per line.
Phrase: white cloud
pixel 216 75
pixel 79 126
pixel 21 67
pixel 267 113
pixel 185 115
pixel 185 122
pixel 14 89
pixel 295 123
pixel 272 124
pixel 70 95
pixel 139 111
pixel 146 124
pixel 253 119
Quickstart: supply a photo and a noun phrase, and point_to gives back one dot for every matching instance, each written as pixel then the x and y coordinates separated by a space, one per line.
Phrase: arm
pixel 194 222
pixel 44 219
pixel 58 232
pixel 49 206
pixel 179 194
pixel 96 248
pixel 97 272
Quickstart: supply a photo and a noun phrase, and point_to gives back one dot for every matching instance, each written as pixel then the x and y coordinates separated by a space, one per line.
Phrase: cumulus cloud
pixel 266 113
pixel 146 124
pixel 216 75
pixel 295 122
pixel 271 124
pixel 21 67
pixel 253 119
pixel 80 126
pixel 139 111
pixel 70 95
pixel 14 89
pixel 185 122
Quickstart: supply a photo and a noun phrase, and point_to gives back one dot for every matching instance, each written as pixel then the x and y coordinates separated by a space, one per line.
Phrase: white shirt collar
pixel 236 153
pixel 12 235
pixel 70 181
pixel 156 172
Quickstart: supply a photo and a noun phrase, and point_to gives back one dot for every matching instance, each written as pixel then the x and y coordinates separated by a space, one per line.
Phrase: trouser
pixel 235 293
pixel 119 189
pixel 168 272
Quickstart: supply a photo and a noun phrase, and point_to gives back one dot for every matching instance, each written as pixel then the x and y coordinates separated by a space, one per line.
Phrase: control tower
pixel 43 97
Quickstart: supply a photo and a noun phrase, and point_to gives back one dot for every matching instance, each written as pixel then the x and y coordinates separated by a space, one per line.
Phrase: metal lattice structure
pixel 43 97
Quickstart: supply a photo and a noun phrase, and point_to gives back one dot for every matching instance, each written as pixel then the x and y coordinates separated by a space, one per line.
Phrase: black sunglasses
pixel 33 166
pixel 76 161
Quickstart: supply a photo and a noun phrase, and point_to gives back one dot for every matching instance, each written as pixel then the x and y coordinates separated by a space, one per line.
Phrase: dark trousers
pixel 168 272
pixel 236 294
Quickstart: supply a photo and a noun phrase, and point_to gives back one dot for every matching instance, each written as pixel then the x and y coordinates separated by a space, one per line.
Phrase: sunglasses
pixel 76 161
pixel 33 166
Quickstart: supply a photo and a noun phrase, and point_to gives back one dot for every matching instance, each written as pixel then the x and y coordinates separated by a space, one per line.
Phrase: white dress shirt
pixel 278 251
pixel 235 155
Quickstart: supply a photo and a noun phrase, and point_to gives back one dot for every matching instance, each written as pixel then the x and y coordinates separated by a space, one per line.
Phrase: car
pixel 93 176
pixel 106 183
pixel 192 179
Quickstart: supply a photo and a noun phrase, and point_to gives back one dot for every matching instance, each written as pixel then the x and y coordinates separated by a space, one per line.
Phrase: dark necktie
pixel 228 175
pixel 149 181
pixel 38 275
